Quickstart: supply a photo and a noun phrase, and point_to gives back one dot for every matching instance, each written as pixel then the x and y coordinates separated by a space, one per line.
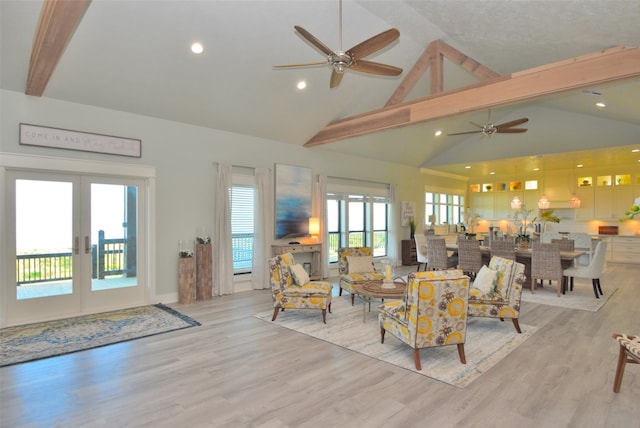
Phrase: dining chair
pixel 503 248
pixel 438 257
pixel 546 264
pixel 593 271
pixel 629 353
pixel 421 250
pixel 469 256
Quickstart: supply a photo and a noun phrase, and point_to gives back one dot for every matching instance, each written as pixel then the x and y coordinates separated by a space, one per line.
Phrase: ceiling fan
pixel 504 128
pixel 340 60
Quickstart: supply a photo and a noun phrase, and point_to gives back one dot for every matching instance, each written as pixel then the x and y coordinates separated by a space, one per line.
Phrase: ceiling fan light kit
pixel 489 129
pixel 340 61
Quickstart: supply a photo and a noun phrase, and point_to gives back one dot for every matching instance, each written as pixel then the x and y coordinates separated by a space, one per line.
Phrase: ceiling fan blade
pixel 512 123
pixel 511 130
pixel 373 44
pixel 313 40
pixel 308 64
pixel 463 133
pixel 475 124
pixel 375 68
pixel 336 78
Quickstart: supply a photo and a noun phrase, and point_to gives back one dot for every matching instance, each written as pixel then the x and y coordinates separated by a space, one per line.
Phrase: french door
pixel 78 245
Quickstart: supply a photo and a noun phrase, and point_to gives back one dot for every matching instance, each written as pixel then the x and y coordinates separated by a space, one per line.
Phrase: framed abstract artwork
pixel 293 201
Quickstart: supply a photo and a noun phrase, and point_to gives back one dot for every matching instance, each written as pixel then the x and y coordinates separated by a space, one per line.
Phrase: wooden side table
pixel 204 272
pixel 186 280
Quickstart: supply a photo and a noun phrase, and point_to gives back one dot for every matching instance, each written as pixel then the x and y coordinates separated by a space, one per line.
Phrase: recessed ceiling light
pixel 197 48
pixel 468 166
pixel 438 133
pixel 302 84
pixel 492 172
pixel 635 150
pixel 579 165
pixel 601 104
pixel 536 169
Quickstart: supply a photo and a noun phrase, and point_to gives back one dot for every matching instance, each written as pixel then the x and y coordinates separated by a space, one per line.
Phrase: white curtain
pixel 223 251
pixel 320 204
pixel 394 251
pixel 262 231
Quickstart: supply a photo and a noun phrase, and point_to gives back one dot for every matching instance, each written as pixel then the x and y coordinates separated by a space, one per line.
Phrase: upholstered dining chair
pixel 291 289
pixel 355 265
pixel 629 353
pixel 469 256
pixel 438 257
pixel 505 248
pixel 546 264
pixel 593 271
pixel 421 250
pixel 433 312
pixel 496 291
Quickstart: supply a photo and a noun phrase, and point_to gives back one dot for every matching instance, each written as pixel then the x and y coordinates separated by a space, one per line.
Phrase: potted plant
pixel 412 227
pixel 523 224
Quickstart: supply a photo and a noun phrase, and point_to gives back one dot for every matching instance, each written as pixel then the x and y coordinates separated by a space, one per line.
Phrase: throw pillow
pixel 486 280
pixel 299 275
pixel 360 264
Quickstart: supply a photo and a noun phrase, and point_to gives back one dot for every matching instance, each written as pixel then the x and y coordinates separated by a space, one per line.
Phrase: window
pixel 357 216
pixel 448 208
pixel 242 197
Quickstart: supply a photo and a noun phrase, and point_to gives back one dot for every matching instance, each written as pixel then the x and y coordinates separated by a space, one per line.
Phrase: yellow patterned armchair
pixel 359 270
pixel 433 312
pixel 496 291
pixel 292 290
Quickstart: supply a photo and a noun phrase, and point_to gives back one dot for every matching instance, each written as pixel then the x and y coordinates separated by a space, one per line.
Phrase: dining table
pixel 523 255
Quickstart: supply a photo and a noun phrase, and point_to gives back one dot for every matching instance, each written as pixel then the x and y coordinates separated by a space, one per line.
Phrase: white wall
pixel 184 157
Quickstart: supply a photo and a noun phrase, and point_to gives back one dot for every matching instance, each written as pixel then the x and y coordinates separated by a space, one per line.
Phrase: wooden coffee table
pixel 373 290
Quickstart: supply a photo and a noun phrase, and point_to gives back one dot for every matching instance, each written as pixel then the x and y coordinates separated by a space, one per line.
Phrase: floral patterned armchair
pixel 500 297
pixel 288 295
pixel 433 312
pixel 361 269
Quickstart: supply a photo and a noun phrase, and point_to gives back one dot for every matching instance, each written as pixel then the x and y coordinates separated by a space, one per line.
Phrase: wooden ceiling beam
pixel 618 63
pixel 58 20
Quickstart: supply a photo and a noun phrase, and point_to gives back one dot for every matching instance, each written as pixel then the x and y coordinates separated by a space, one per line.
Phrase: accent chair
pixel 432 313
pixel 497 292
pixel 355 265
pixel 289 291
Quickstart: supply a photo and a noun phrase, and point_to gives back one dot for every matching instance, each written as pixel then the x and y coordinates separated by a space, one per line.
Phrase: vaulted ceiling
pixel 134 56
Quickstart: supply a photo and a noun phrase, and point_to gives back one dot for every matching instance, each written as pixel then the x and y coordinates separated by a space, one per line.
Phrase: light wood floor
pixel 238 371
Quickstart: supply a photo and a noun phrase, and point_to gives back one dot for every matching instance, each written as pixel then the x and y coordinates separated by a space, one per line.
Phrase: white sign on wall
pixel 408 211
pixel 34 135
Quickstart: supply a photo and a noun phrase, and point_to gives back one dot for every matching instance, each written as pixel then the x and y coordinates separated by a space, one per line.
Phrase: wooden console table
pixel 315 250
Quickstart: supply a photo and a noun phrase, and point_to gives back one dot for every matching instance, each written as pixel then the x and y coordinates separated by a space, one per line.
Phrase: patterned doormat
pixel 488 340
pixel 32 342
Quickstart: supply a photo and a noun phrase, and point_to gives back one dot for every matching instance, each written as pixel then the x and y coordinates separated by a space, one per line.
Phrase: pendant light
pixel 516 203
pixel 543 203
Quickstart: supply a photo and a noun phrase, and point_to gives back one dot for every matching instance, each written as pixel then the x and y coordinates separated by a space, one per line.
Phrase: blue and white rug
pixel 31 342
pixel 488 340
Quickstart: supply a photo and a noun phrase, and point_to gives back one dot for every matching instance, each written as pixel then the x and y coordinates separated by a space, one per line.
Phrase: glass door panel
pixel 114 236
pixel 44 238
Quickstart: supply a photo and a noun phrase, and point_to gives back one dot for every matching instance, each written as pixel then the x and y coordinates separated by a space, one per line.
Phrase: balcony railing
pixel 242 245
pixel 108 257
pixel 356 239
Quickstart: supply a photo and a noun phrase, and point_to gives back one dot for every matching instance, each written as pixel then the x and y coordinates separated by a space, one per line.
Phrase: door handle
pixel 76 245
pixel 87 245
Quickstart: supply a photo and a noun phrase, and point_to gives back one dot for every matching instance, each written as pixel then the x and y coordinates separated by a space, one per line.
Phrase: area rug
pixel 488 341
pixel 581 298
pixel 31 342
